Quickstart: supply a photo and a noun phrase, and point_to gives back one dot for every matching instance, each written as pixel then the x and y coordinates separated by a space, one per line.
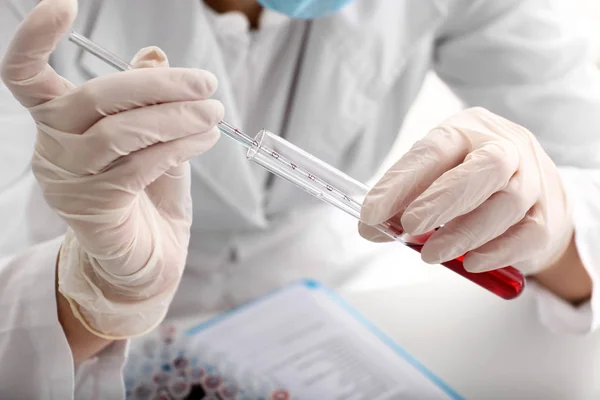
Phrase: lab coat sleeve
pixel 35 358
pixel 523 60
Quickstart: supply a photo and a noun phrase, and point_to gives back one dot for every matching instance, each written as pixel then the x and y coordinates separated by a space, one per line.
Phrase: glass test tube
pixel 340 190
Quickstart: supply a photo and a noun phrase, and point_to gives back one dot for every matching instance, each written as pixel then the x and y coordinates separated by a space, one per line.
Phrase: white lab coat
pixel 361 71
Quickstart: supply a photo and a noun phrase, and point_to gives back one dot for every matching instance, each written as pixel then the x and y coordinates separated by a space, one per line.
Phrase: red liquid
pixel 506 282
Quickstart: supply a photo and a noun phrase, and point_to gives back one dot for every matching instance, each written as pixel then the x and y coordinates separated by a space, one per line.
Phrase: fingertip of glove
pixel 63 13
pixel 371 234
pixel 380 203
pixel 410 222
pixel 215 111
pixel 212 137
pixel 198 144
pixel 215 133
pixel 150 57
pixel 220 110
pixel 370 212
pixel 431 255
pixel 208 82
pixel 366 214
pixel 475 263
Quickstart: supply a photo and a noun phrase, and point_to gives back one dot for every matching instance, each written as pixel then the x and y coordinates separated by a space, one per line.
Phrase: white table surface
pixel 482 346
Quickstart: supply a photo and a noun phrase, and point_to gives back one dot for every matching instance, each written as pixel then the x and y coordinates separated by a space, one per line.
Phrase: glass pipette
pixel 325 182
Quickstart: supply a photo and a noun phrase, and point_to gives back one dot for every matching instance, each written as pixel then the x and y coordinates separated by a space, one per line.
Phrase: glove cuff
pixel 102 308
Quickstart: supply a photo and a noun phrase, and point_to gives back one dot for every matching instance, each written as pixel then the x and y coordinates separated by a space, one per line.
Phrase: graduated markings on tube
pixel 310 176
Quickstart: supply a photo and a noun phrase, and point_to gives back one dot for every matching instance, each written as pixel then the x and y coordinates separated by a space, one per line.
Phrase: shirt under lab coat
pixel 359 73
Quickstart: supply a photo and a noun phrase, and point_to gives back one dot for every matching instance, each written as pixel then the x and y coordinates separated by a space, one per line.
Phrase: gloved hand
pixel 111 158
pixel 489 183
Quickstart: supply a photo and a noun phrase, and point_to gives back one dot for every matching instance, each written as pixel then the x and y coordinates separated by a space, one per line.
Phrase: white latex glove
pixel 489 183
pixel 111 158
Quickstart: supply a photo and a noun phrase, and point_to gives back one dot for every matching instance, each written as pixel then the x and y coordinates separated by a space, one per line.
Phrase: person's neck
pixel 250 8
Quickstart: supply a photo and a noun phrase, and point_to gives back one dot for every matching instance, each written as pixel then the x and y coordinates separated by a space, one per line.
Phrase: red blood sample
pixel 507 282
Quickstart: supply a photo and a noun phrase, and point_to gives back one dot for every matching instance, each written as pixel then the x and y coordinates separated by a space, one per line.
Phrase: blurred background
pixel 436 102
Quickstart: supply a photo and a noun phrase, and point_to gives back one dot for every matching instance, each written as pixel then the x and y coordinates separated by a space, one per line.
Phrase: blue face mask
pixel 305 9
